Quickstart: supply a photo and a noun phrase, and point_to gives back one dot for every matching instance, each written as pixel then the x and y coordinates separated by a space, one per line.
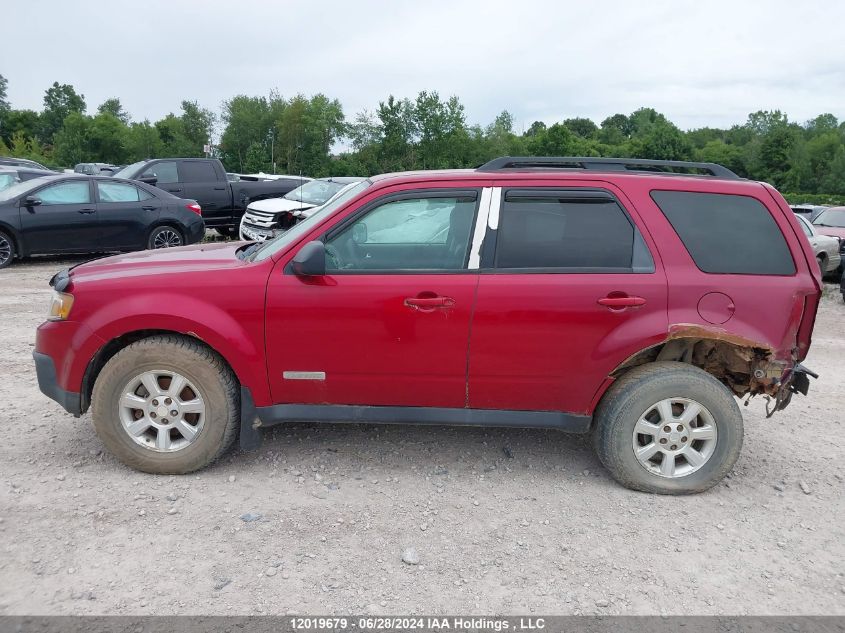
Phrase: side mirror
pixel 150 180
pixel 31 201
pixel 359 233
pixel 310 261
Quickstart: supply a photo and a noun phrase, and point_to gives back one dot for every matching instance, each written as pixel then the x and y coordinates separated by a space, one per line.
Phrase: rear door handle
pixel 87 211
pixel 429 303
pixel 148 208
pixel 619 303
pixel 220 189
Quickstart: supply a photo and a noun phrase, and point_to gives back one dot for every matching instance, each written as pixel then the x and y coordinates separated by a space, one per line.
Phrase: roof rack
pixel 667 167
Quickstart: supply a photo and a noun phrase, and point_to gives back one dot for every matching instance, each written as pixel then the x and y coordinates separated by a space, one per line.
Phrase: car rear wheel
pixel 668 428
pixel 7 250
pixel 166 405
pixel 165 237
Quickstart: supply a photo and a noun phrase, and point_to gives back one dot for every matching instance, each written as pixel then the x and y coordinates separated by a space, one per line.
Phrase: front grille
pixel 259 219
pixel 268 220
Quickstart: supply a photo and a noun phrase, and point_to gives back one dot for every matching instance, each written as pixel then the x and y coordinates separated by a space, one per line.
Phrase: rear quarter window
pixel 727 234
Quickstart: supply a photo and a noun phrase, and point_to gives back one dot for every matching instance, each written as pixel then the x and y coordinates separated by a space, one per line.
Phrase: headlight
pixel 60 305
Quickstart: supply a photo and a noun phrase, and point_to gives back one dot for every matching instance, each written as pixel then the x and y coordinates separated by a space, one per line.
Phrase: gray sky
pixel 700 63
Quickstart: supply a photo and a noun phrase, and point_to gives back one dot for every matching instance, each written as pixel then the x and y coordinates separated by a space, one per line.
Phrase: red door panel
pixel 396 340
pixel 543 341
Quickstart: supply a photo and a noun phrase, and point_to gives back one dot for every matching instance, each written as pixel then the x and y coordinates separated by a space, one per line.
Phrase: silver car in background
pixel 825 247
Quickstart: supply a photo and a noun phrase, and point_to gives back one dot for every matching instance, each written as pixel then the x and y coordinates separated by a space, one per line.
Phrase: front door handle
pixel 621 302
pixel 426 304
pixel 148 208
pixel 87 211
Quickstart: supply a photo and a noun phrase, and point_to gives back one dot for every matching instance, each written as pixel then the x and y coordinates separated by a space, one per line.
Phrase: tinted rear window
pixel 727 234
pixel 544 231
pixel 195 171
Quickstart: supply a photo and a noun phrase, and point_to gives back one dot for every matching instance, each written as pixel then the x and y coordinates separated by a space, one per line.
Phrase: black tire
pixel 7 249
pixel 165 237
pixel 632 396
pixel 203 368
pixel 228 232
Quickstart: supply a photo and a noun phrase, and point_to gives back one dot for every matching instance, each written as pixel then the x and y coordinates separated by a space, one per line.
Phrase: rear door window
pixel 727 234
pixel 564 231
pixel 117 192
pixel 197 171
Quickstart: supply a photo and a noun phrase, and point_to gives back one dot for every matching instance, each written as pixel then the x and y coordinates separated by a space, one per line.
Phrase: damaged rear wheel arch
pixel 743 366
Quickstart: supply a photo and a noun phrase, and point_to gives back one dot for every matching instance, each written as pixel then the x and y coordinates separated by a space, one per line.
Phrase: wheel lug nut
pixel 153 415
pixel 155 403
pixel 666 428
pixel 684 438
pixel 174 413
pixel 673 447
pixel 165 421
pixel 680 427
pixel 167 401
pixel 662 440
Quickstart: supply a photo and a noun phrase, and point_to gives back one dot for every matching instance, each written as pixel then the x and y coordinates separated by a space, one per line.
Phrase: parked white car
pixel 826 247
pixel 265 218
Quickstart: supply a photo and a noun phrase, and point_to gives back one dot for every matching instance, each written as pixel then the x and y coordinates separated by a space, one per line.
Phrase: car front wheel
pixel 166 405
pixel 7 250
pixel 668 428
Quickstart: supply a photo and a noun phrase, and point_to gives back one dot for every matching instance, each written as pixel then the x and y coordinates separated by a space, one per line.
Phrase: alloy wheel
pixel 5 249
pixel 167 238
pixel 162 411
pixel 674 437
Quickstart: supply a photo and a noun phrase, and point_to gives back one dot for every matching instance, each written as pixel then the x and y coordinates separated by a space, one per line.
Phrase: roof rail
pixel 609 164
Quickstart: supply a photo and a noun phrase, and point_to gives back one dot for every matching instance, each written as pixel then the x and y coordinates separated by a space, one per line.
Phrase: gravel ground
pixel 501 521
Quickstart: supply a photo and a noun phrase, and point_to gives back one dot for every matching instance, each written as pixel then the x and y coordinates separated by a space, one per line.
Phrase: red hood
pixel 833 231
pixel 200 257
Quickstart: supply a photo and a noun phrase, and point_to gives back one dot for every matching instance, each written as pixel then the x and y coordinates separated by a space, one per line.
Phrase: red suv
pixel 632 299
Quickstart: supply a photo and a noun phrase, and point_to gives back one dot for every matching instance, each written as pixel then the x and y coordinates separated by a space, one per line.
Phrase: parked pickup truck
pixel 203 179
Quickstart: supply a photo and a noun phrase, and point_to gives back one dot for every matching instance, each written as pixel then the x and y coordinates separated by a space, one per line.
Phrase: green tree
pixel 4 101
pixel 113 106
pixel 582 127
pixel 70 144
pixel 197 124
pixel 143 141
pixel 660 140
pixel 108 139
pixel 246 121
pixel 24 121
pixel 397 128
pixel 59 102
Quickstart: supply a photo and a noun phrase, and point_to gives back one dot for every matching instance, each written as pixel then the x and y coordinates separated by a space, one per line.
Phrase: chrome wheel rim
pixel 162 411
pixel 674 437
pixel 5 249
pixel 167 239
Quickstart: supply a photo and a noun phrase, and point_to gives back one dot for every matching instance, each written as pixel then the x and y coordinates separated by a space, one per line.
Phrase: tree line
pixel 298 135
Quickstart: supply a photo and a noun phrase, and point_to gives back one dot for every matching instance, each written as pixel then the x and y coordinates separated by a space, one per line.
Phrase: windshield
pixel 129 169
pixel 6 181
pixel 270 247
pixel 831 217
pixel 15 190
pixel 315 192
